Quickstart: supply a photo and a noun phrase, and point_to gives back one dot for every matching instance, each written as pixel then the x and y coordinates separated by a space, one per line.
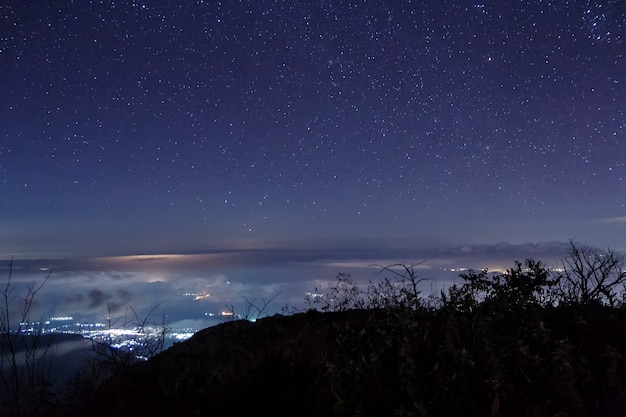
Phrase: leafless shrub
pixel 25 355
pixel 343 295
pixel 591 276
pixel 401 290
pixel 255 310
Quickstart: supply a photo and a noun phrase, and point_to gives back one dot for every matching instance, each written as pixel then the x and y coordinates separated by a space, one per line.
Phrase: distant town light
pixel 201 297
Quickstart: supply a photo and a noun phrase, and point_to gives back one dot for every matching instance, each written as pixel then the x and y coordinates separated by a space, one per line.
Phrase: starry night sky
pixel 138 127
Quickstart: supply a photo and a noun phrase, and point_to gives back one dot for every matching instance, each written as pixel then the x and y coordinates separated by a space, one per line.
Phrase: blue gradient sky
pixel 345 130
pixel 143 127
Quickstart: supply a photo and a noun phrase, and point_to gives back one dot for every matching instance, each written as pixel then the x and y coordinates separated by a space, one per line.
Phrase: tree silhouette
pixel 591 276
pixel 24 352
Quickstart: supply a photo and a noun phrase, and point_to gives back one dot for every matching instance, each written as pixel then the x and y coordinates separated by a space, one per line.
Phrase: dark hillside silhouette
pixel 559 361
pixel 525 342
pixel 497 345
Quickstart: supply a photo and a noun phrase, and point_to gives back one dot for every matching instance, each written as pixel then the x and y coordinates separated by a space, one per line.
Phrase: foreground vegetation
pixel 526 342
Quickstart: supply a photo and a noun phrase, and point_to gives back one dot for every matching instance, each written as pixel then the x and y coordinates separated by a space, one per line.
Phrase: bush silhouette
pixel 525 342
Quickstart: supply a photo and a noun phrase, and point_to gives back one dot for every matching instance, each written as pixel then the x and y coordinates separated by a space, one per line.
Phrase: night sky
pixel 147 127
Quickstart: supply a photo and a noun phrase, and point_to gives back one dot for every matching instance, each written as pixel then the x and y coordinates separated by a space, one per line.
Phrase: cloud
pixel 73 299
pixel 124 294
pixel 373 264
pixel 508 249
pixel 613 220
pixel 279 265
pixel 89 288
pixel 97 298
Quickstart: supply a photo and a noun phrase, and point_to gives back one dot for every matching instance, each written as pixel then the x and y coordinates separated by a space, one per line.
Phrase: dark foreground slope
pixel 530 362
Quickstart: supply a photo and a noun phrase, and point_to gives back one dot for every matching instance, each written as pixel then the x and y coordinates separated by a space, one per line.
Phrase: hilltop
pixel 372 362
pixel 525 342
